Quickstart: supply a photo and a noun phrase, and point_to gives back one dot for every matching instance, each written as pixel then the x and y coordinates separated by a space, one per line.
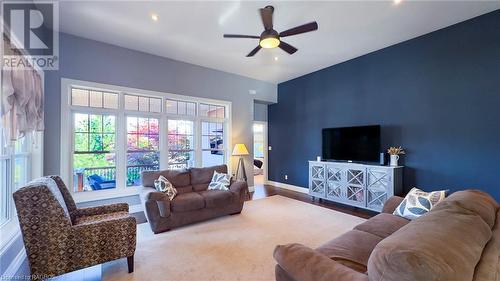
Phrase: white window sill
pixel 9 232
pixel 87 196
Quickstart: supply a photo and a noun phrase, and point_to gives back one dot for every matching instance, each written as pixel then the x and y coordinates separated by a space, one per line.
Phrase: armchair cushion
pixel 100 217
pixel 105 209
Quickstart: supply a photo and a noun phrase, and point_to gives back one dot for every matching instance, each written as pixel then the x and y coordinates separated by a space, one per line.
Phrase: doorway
pixel 260 153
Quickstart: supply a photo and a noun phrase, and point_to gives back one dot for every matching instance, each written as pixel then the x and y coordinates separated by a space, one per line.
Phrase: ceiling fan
pixel 270 38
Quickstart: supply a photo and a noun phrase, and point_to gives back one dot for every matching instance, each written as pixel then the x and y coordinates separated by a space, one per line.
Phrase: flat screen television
pixel 357 144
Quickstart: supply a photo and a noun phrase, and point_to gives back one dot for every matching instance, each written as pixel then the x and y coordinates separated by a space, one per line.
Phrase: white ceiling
pixel 192 31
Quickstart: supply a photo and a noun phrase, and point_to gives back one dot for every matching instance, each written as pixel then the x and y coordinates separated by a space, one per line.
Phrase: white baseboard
pixel 15 264
pixel 288 186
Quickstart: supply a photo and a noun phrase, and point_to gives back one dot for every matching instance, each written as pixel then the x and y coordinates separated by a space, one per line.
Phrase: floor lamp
pixel 240 150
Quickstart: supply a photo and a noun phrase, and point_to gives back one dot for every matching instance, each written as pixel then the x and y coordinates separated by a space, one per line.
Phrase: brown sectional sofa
pixel 193 202
pixel 459 239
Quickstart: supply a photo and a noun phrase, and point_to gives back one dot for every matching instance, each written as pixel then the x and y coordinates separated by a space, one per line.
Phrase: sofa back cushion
pixel 201 177
pixel 180 179
pixel 445 244
pixel 475 201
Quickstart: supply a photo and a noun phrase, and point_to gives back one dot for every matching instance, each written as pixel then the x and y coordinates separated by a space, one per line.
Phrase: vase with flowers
pixel 394 153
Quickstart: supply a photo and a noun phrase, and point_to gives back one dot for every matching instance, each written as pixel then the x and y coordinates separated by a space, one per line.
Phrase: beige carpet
pixel 230 248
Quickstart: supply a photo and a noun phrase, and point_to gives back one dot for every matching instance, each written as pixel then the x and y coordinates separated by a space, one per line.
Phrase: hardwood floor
pixel 262 191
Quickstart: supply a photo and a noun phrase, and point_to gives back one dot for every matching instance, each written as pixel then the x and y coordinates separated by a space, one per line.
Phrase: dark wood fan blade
pixel 267 17
pixel 300 29
pixel 287 48
pixel 254 51
pixel 240 36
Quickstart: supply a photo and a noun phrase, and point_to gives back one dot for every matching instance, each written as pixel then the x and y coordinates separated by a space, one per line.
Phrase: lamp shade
pixel 240 149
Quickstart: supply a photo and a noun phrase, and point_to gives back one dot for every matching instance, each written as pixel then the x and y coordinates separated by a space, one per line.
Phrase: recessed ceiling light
pixel 396 2
pixel 276 58
pixel 154 17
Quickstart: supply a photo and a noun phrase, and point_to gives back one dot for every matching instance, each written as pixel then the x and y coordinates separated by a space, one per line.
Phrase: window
pixel 116 134
pixel 92 98
pixel 141 103
pixel 181 107
pixel 213 111
pixel 94 161
pixel 143 142
pixel 212 143
pixel 15 168
pixel 180 144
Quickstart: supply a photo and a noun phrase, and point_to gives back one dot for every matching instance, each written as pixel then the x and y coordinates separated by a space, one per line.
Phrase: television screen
pixel 360 144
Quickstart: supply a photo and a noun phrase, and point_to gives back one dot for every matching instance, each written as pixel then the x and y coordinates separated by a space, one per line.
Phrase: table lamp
pixel 240 150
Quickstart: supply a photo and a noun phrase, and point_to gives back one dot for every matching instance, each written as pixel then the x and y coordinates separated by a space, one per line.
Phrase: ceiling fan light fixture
pixel 269 42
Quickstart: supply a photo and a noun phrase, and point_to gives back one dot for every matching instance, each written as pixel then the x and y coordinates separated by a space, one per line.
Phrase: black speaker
pixel 383 159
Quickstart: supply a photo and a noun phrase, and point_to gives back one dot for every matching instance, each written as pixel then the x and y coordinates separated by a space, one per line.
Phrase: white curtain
pixel 22 103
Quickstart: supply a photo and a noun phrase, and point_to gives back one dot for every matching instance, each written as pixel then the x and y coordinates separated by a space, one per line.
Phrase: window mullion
pixel 121 150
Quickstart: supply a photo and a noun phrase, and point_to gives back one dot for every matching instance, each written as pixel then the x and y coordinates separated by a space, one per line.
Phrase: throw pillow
pixel 219 181
pixel 163 185
pixel 418 203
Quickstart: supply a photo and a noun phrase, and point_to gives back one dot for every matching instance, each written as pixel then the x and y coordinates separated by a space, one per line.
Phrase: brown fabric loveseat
pixel 193 202
pixel 458 240
pixel 60 238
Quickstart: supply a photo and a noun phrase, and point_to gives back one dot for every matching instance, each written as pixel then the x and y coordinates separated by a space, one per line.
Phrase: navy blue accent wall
pixel 437 95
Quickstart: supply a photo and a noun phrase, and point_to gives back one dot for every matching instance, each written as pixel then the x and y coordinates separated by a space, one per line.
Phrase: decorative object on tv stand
pixel 394 152
pixel 240 150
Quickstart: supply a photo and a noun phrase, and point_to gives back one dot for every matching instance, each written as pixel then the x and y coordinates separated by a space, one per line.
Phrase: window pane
pixel 203 109
pixel 142 147
pixel 171 107
pixel 191 109
pixel 81 122
pixel 110 100
pixel 155 105
pixel 221 112
pixel 180 141
pixel 131 102
pixel 95 99
pixel 212 158
pixel 96 123
pixel 81 142
pixel 181 108
pixel 180 159
pixel 79 97
pixel 6 191
pixel 94 158
pixel 138 162
pixel 143 104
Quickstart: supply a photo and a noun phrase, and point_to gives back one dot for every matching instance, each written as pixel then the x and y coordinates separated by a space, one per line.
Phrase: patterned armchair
pixel 60 238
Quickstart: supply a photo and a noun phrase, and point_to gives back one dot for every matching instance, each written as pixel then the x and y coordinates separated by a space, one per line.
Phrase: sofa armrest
pixel 304 264
pixel 156 204
pixel 239 187
pixel 391 204
pixel 105 209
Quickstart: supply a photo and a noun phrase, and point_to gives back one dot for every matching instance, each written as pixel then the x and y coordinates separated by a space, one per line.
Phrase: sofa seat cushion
pixel 100 218
pixel 351 249
pixel 187 202
pixel 217 198
pixel 382 225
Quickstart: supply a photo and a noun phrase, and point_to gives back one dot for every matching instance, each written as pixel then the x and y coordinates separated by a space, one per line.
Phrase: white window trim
pixel 121 134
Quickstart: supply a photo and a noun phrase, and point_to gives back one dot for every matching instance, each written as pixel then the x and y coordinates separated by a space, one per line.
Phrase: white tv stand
pixel 359 185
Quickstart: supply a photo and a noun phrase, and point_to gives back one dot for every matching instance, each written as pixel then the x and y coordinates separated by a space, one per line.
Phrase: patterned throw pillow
pixel 163 185
pixel 418 203
pixel 219 182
